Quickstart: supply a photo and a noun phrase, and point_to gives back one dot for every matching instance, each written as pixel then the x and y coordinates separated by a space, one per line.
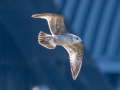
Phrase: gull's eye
pixel 77 38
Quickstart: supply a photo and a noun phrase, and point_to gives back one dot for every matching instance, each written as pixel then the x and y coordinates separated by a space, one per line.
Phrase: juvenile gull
pixel 60 36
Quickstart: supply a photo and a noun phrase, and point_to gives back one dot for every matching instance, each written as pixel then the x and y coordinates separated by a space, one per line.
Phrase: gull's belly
pixel 62 39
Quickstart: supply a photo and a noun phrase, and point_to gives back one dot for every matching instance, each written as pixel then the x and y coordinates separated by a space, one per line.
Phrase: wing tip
pixel 74 76
pixel 46 14
pixel 35 16
pixel 75 71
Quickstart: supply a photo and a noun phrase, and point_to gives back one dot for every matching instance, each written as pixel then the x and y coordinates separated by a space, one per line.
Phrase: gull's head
pixel 77 39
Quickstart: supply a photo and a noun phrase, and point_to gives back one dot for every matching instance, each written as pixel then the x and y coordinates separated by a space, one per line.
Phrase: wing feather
pixel 55 22
pixel 76 56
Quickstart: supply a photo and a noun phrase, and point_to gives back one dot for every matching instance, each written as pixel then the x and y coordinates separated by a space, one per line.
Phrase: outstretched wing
pixel 76 56
pixel 55 22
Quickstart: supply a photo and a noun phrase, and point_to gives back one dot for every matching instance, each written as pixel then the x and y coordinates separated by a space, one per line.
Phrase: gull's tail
pixel 44 40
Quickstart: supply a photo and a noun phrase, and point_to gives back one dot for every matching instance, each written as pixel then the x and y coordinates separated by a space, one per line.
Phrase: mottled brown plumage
pixel 76 56
pixel 55 22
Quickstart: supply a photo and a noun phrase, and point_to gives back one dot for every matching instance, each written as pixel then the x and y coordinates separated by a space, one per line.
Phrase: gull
pixel 60 36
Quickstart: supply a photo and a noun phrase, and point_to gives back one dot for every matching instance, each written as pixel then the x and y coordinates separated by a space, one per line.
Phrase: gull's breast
pixel 62 39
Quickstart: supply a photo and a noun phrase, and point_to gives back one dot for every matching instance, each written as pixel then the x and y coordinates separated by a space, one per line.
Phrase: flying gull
pixel 60 36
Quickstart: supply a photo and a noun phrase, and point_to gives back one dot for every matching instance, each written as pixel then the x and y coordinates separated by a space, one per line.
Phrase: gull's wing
pixel 55 22
pixel 76 56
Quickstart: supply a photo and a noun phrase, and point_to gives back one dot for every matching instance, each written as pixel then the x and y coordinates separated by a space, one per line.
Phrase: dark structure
pixel 24 64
